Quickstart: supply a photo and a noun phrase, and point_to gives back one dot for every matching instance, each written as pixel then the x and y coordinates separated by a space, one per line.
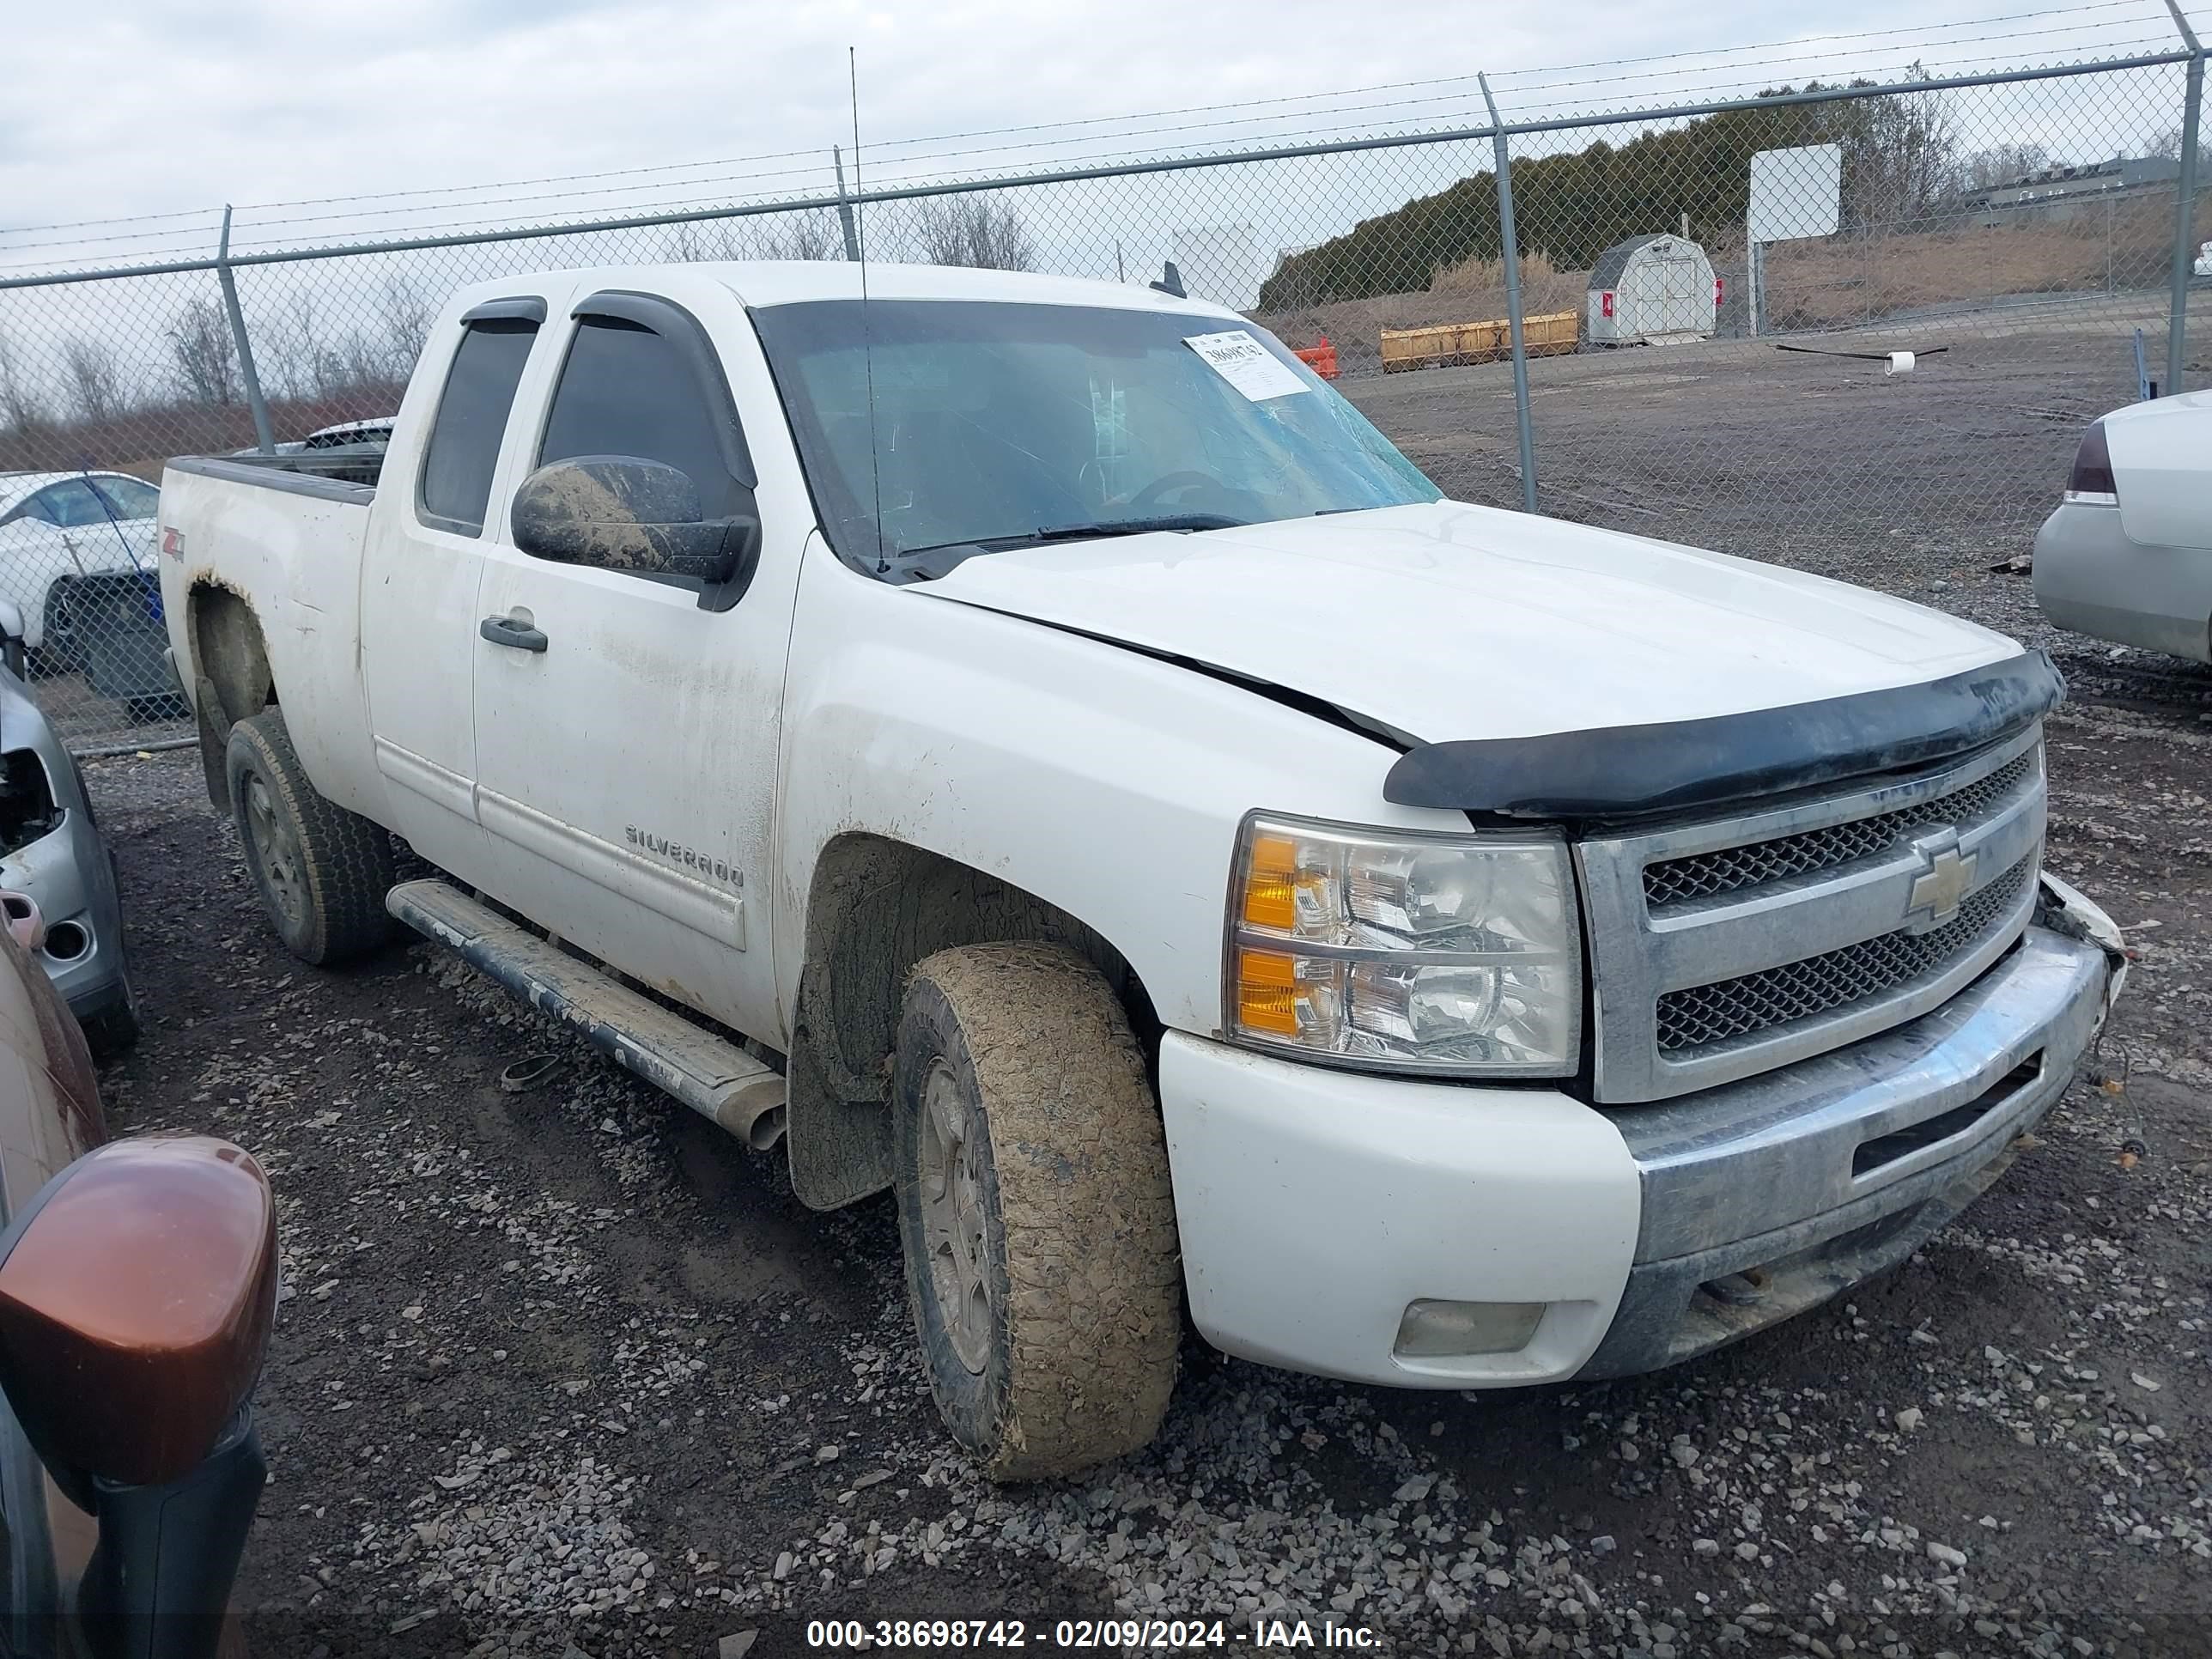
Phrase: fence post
pixel 263 434
pixel 1502 165
pixel 845 207
pixel 2185 205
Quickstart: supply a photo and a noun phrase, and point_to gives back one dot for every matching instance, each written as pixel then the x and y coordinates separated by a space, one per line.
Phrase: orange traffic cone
pixel 1321 358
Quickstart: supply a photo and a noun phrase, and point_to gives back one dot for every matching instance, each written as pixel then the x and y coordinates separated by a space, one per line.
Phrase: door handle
pixel 518 636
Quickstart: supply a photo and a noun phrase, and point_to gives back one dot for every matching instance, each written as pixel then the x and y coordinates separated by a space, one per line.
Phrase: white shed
pixel 1653 288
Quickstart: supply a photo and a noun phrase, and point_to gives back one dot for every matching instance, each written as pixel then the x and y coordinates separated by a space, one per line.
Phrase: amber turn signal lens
pixel 1266 992
pixel 1271 884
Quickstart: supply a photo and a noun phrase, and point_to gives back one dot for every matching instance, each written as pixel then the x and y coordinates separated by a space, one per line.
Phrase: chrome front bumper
pixel 1766 1197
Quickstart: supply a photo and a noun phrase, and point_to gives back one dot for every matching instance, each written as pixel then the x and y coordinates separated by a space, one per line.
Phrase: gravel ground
pixel 563 1372
pixel 1789 454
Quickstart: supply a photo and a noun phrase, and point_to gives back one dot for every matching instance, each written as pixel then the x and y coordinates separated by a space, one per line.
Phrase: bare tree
pixel 19 403
pixel 695 244
pixel 406 317
pixel 1900 156
pixel 2004 164
pixel 94 379
pixel 361 363
pixel 812 235
pixel 303 364
pixel 2168 145
pixel 973 230
pixel 803 233
pixel 205 366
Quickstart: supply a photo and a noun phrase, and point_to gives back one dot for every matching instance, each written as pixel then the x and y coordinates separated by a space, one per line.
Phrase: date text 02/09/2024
pixel 1112 1635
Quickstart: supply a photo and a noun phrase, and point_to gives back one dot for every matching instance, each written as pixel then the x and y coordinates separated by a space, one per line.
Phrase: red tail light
pixel 2093 466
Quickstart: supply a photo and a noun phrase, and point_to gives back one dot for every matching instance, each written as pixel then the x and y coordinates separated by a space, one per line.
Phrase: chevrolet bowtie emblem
pixel 1938 889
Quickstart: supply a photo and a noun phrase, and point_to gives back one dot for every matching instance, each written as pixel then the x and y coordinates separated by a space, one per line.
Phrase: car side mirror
pixel 136 1293
pixel 620 512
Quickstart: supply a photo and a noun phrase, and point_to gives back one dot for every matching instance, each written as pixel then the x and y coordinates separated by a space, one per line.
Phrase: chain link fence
pixel 1708 300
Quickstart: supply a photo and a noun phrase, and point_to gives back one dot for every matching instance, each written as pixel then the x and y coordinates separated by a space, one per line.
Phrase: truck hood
pixel 1443 621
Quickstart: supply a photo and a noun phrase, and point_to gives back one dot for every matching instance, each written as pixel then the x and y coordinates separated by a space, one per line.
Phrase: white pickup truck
pixel 1029 746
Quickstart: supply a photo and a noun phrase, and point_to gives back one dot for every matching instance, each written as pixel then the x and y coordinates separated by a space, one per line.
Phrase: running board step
pixel 710 1074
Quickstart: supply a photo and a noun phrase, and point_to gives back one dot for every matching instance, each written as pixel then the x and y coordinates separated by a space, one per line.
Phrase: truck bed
pixel 326 475
pixel 276 544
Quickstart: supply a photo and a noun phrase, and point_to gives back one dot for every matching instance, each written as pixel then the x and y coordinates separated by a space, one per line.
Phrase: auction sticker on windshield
pixel 1245 364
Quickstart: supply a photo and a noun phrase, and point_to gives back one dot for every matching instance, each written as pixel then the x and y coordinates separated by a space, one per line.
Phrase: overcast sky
pixel 149 106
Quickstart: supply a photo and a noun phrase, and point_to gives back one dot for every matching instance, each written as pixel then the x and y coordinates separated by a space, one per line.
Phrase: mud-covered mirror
pixel 625 514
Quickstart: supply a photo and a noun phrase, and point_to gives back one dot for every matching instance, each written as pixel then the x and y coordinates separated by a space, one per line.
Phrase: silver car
pixel 52 849
pixel 2127 555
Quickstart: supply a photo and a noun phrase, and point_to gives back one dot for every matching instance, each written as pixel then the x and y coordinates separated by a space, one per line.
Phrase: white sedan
pixel 2127 557
pixel 57 527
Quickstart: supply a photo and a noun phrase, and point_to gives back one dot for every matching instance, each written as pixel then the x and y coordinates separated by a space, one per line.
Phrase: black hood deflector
pixel 1627 771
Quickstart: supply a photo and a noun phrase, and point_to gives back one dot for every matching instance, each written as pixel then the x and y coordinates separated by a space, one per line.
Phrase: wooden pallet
pixel 1551 335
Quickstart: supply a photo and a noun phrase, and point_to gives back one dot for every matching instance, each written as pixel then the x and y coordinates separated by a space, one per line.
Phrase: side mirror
pixel 137 1292
pixel 619 512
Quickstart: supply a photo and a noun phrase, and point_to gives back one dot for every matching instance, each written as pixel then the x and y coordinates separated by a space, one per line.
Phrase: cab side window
pixel 464 438
pixel 628 391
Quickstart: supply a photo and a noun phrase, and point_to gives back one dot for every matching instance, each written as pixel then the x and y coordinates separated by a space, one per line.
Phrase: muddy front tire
pixel 1035 1209
pixel 322 872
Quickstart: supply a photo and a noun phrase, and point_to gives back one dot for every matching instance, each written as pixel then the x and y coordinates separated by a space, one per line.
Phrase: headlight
pixel 1429 953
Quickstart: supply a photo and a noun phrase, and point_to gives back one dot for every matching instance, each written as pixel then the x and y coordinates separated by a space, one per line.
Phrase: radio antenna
pixel 867 341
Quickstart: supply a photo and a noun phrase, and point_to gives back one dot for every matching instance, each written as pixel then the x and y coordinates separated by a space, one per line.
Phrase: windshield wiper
pixel 1173 521
pixel 1083 532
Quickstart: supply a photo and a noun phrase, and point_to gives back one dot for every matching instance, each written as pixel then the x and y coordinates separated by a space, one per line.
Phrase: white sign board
pixel 1244 363
pixel 1220 263
pixel 1794 192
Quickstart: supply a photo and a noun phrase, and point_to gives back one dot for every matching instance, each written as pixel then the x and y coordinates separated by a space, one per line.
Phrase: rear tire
pixel 57 648
pixel 322 872
pixel 1036 1210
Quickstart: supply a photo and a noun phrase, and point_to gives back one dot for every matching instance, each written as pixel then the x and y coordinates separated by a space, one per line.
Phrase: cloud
pixel 150 106
pixel 488 111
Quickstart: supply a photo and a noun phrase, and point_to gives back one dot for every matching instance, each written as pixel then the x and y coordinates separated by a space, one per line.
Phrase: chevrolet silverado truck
pixel 1031 746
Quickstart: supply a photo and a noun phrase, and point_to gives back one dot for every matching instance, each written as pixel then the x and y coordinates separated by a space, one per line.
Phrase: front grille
pixel 1706 875
pixel 1810 876
pixel 1707 1014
